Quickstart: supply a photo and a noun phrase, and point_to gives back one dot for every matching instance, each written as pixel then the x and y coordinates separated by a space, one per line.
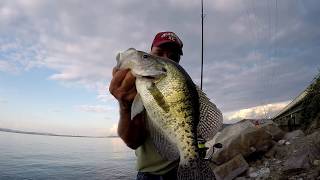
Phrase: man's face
pixel 166 51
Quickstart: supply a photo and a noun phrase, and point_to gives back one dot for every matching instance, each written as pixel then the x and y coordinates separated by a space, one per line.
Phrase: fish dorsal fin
pixel 137 106
pixel 210 117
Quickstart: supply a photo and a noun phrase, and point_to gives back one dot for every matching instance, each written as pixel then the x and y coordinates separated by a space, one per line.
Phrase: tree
pixel 311 103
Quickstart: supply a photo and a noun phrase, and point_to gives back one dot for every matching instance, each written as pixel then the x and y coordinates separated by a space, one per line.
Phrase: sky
pixel 56 57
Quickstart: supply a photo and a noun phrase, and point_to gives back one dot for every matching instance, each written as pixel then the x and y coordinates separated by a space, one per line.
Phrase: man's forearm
pixel 132 132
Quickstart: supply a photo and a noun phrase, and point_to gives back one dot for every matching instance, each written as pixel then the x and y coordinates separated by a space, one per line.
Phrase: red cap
pixel 167 37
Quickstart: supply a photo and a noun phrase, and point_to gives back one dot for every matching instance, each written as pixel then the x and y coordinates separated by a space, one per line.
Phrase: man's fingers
pixel 118 77
pixel 128 82
pixel 114 70
pixel 132 93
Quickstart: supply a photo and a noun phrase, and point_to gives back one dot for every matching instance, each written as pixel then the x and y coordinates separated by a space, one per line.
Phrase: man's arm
pixel 122 87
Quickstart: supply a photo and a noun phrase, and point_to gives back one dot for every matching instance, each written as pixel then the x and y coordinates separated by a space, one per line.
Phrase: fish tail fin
pixel 198 169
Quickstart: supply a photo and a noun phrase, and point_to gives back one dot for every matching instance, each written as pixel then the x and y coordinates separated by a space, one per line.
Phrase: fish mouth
pixel 118 60
pixel 153 74
pixel 149 77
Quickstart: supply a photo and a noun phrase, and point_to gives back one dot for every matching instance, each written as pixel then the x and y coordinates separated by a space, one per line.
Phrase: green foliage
pixel 311 102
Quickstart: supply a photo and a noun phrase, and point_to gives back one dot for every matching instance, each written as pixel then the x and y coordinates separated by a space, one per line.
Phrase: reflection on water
pixel 25 156
pixel 117 147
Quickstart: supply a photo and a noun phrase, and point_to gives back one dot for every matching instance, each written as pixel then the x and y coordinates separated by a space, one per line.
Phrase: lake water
pixel 24 156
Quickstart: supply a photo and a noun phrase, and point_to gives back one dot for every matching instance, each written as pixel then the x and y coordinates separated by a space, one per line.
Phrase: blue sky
pixel 56 57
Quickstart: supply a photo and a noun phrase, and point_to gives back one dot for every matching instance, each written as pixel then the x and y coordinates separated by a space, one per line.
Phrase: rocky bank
pixel 265 152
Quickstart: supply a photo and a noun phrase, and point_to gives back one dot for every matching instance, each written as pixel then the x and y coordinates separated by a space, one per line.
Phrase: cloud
pixel 7 67
pixel 113 131
pixel 18 55
pixel 94 108
pixel 258 112
pixel 255 52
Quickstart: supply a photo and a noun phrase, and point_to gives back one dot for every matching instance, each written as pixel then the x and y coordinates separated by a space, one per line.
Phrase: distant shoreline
pixel 50 134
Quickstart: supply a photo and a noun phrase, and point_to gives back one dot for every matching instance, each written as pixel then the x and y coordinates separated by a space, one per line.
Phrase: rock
pixel 259 162
pixel 274 131
pixel 297 161
pixel 272 152
pixel 252 149
pixel 231 169
pixel 277 162
pixel 316 162
pixel 287 143
pixel 241 138
pixel 302 152
pixel 233 130
pixel 293 135
pixel 281 142
pixel 250 170
pixel 241 178
pixel 313 174
pixel 262 173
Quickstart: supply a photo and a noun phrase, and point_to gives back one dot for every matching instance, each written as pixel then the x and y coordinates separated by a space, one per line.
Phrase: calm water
pixel 25 156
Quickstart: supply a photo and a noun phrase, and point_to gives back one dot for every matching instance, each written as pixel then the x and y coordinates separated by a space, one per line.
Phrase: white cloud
pixel 105 97
pixel 113 131
pixel 95 108
pixel 263 111
pixel 243 47
pixel 226 5
pixel 5 66
pixel 7 13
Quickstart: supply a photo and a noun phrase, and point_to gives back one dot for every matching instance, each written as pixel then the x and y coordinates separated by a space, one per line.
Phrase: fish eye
pixel 145 56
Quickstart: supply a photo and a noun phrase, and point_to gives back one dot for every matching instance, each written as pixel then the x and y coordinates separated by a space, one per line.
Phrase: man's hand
pixel 122 87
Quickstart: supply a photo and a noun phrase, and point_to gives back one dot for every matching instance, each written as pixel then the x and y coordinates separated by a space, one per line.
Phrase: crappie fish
pixel 171 101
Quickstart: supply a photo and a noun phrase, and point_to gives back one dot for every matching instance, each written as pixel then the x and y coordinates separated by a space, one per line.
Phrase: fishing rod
pixel 202 17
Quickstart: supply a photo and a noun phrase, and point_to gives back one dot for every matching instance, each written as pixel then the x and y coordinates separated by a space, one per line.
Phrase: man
pixel 134 132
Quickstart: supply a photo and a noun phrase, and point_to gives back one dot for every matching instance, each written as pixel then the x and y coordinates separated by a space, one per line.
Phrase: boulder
pixel 233 130
pixel 262 173
pixel 300 155
pixel 271 128
pixel 293 135
pixel 271 153
pixel 241 138
pixel 231 169
pixel 297 161
pixel 302 152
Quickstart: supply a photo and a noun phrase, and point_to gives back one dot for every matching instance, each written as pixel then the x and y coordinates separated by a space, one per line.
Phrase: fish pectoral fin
pixel 137 106
pixel 158 97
